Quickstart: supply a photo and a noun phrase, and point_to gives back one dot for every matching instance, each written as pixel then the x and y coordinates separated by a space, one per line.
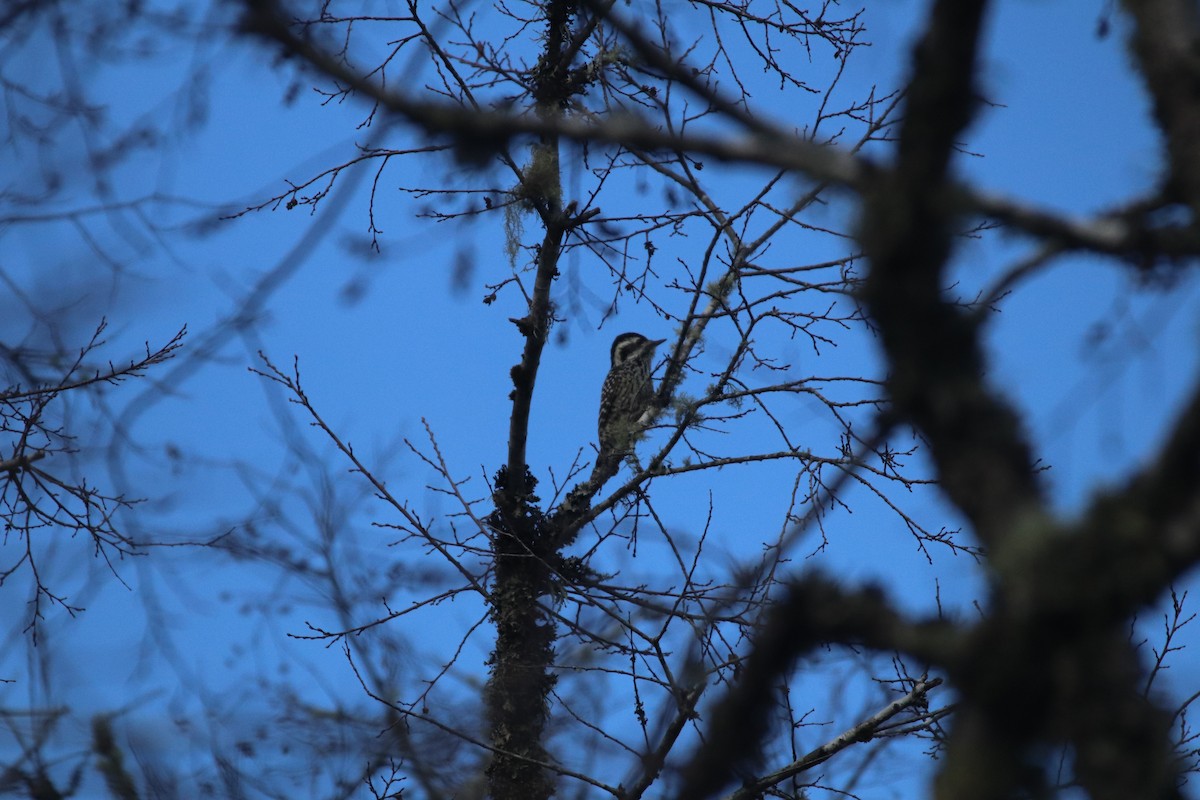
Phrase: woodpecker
pixel 628 391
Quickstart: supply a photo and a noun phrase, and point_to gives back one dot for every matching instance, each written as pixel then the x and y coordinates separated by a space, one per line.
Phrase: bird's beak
pixel 657 342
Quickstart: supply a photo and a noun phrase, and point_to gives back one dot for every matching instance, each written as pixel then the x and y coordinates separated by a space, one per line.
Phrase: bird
pixel 627 392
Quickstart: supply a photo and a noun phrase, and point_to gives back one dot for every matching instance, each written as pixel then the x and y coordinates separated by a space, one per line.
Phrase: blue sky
pixel 386 340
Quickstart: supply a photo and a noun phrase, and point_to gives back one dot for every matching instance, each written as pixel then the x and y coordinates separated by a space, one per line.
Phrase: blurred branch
pixel 477 132
pixel 1165 40
pixel 983 460
pixel 292 383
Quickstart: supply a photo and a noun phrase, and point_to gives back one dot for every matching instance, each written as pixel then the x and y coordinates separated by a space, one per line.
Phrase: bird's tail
pixel 607 464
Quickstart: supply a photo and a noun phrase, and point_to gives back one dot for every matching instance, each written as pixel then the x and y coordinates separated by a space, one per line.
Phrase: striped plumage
pixel 628 391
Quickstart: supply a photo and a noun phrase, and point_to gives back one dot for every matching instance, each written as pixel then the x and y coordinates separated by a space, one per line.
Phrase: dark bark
pixel 518 690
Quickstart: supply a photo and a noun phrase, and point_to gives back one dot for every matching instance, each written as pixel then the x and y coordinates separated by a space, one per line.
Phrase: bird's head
pixel 632 346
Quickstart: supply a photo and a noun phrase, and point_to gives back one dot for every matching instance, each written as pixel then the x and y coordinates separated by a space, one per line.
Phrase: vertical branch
pixel 1165 40
pixel 984 462
pixel 521 680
